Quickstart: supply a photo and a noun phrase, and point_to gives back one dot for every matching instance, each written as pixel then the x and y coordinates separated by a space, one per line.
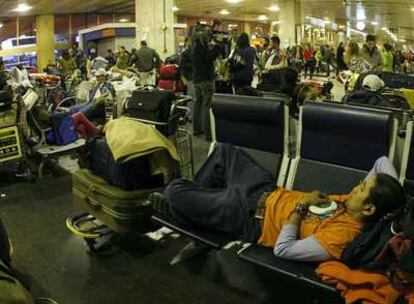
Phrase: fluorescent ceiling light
pixel 262 18
pixel 233 1
pixel 274 8
pixel 124 20
pixel 374 23
pixel 224 12
pixel 175 9
pixel 384 29
pixel 22 8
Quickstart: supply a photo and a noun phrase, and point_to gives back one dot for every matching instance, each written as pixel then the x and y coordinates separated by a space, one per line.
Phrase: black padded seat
pixel 339 145
pixel 296 271
pixel 250 122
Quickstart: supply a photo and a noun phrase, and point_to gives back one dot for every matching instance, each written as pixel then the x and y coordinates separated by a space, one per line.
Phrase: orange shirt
pixel 333 233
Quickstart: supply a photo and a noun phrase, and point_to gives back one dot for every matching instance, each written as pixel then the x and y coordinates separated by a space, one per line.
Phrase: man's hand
pixel 315 198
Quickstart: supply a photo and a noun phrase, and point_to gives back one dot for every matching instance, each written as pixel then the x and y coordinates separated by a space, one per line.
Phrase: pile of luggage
pixel 132 160
pixel 170 76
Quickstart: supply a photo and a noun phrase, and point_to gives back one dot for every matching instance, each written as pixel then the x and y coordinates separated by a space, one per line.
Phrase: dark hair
pixel 353 48
pixel 275 39
pixel 388 196
pixel 143 43
pixel 371 38
pixel 243 41
pixel 387 47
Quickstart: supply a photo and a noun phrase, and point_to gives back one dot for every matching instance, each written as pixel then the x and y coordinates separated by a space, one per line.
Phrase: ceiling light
pixel 22 8
pixel 374 23
pixel 384 29
pixel 274 8
pixel 123 20
pixel 412 9
pixel 233 1
pixel 175 9
pixel 262 18
pixel 224 12
pixel 360 25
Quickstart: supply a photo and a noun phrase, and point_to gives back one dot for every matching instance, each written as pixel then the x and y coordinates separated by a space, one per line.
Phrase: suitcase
pixel 122 211
pixel 172 85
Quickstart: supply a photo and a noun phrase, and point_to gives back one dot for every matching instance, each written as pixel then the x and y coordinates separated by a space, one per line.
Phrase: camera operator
pixel 205 52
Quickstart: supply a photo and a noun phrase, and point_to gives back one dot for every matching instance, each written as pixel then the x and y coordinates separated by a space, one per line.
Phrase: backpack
pixel 236 61
pixel 12 290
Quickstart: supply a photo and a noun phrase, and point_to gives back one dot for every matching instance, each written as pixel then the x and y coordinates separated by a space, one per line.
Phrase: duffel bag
pixel 169 72
pixel 132 175
pixel 63 129
pixel 151 105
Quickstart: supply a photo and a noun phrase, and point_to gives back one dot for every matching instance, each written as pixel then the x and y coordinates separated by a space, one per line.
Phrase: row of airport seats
pixel 336 147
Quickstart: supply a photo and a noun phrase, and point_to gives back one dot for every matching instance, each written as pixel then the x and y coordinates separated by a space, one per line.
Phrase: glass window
pixel 61 28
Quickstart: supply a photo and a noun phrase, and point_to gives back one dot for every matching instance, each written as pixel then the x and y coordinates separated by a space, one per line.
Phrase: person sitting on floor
pixel 94 107
pixel 233 195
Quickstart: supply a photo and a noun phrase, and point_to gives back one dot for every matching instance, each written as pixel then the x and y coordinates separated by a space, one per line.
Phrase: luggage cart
pixel 11 140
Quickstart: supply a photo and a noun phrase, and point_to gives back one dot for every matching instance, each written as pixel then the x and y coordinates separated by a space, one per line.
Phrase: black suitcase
pixel 398 81
pixel 132 175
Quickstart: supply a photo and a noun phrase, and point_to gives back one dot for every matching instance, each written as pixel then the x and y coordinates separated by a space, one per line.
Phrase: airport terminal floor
pixel 174 151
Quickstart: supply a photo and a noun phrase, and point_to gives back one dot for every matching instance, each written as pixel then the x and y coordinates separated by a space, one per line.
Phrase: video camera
pixel 198 31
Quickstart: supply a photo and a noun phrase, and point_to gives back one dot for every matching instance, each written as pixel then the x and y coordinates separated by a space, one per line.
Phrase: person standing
pixel 243 73
pixel 310 61
pixel 275 59
pixel 147 60
pixel 67 64
pixel 387 59
pixel 328 60
pixel 186 68
pixel 371 53
pixel 110 56
pixel 340 61
pixel 203 58
pixel 123 59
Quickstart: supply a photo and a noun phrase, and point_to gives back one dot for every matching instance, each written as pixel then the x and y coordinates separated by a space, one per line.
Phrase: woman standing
pixel 387 59
pixel 356 63
pixel 310 62
pixel 242 61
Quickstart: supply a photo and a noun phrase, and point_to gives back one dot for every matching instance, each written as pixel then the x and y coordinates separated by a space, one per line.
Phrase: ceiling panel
pixel 394 14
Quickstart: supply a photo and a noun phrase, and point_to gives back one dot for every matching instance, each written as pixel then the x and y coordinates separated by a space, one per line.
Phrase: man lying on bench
pixel 231 195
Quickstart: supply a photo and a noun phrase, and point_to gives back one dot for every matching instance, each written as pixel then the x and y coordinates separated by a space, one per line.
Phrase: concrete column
pixel 247 28
pixel 45 40
pixel 289 17
pixel 155 24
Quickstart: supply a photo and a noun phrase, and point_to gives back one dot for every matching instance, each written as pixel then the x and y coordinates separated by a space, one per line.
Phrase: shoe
pixel 158 203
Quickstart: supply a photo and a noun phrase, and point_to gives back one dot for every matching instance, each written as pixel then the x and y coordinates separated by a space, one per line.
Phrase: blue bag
pixel 63 132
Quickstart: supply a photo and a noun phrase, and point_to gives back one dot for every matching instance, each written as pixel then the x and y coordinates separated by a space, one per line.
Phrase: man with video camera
pixel 205 52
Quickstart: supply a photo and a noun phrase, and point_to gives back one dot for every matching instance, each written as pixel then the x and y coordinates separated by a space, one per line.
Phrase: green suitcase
pixel 122 211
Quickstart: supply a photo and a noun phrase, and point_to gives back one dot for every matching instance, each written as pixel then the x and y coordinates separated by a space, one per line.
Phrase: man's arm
pixel 306 250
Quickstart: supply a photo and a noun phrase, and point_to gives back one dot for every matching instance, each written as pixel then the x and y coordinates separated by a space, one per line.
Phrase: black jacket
pixel 186 64
pixel 203 61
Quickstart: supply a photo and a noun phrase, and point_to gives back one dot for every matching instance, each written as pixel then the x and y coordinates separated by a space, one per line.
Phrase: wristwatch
pixel 302 209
